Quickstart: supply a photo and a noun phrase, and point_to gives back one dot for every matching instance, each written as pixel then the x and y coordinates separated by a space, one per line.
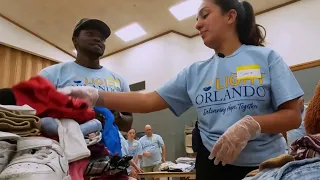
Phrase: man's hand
pixel 147 154
pixel 163 160
pixel 123 120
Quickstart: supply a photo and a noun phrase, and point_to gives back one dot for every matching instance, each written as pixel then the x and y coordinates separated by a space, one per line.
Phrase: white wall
pixel 293 31
pixel 156 60
pixel 16 37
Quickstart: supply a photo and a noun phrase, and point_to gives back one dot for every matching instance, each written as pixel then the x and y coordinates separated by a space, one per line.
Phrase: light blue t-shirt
pixel 221 99
pixel 72 74
pixel 152 145
pixel 124 145
pixel 134 150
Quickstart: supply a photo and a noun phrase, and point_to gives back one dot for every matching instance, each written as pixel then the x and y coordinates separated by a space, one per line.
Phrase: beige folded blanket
pixel 14 122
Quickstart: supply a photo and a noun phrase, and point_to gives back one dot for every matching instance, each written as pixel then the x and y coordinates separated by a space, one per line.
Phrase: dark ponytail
pixel 248 31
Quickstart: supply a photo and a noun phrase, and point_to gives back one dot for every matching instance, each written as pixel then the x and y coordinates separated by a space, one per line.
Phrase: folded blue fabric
pixel 49 127
pixel 91 126
pixel 296 170
pixel 110 133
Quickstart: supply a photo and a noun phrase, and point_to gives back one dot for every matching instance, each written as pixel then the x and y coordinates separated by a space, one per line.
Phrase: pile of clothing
pixel 183 164
pixel 303 162
pixel 47 135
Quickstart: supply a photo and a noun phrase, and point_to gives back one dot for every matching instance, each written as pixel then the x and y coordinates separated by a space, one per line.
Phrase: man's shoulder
pixel 116 75
pixel 56 67
pixel 143 137
pixel 156 136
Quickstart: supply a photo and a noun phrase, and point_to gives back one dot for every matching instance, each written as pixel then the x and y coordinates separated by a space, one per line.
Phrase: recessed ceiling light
pixel 185 9
pixel 75 51
pixel 130 32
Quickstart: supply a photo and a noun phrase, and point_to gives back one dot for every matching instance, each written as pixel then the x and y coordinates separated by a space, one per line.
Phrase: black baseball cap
pixel 96 24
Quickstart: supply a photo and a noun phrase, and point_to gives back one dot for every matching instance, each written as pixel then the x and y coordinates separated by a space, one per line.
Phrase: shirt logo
pixel 237 91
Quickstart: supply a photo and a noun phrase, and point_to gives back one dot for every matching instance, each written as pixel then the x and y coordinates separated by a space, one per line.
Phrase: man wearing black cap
pixel 88 38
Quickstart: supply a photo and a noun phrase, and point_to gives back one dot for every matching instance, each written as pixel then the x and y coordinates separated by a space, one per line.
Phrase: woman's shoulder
pixel 198 65
pixel 262 50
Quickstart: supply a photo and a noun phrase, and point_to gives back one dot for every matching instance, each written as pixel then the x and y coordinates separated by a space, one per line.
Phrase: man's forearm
pixel 163 154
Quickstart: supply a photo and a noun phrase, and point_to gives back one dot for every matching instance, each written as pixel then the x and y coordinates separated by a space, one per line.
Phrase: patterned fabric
pixel 108 167
pixel 97 167
pixel 306 147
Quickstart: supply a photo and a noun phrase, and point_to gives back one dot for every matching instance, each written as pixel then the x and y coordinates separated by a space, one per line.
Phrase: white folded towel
pixel 71 140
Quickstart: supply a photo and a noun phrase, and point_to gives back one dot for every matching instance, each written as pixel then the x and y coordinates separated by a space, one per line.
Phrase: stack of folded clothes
pixel 19 120
pixel 47 135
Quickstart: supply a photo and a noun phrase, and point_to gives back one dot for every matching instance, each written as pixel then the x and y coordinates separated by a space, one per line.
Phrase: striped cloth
pixel 306 147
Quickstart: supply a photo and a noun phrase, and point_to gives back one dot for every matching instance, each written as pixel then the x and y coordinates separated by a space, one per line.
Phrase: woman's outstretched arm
pixel 134 102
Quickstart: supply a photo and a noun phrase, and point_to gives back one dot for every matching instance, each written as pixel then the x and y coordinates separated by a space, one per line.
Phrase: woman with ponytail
pixel 245 95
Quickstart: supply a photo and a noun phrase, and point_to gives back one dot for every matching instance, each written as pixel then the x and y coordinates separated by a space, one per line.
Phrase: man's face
pixel 148 131
pixel 90 42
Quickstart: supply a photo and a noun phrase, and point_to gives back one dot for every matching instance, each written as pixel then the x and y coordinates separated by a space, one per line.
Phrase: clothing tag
pixel 248 72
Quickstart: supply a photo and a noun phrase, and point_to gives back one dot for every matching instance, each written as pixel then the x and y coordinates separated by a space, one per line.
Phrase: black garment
pixel 206 170
pixel 196 138
pixel 7 97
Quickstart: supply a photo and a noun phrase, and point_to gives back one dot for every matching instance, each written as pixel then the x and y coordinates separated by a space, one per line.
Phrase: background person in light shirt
pixel 154 151
pixel 134 150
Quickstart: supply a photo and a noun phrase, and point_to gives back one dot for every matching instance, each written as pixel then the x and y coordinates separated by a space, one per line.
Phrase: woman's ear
pixel 232 16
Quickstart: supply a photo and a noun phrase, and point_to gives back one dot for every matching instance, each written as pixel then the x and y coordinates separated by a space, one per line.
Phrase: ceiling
pixel 53 20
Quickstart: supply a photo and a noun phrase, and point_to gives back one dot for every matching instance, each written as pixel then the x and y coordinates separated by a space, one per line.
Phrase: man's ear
pixel 75 41
pixel 232 16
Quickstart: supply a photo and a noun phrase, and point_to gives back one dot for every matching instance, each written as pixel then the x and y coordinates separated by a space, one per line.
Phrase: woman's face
pixel 131 134
pixel 212 24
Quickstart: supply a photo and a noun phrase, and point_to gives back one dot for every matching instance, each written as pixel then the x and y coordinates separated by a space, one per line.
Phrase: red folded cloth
pixel 41 95
pixel 77 168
